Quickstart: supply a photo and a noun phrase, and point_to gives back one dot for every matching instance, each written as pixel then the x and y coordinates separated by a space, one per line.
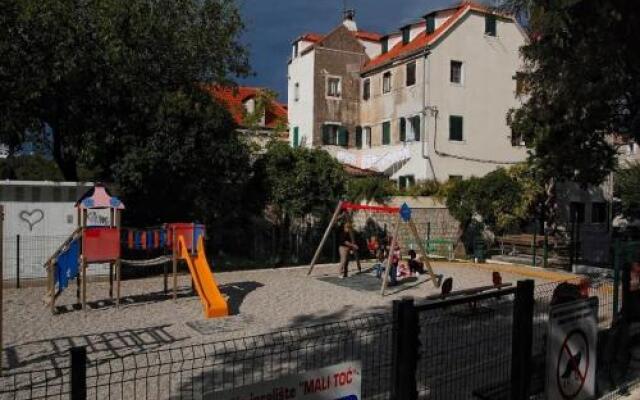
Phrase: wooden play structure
pixel 103 243
pixel 402 220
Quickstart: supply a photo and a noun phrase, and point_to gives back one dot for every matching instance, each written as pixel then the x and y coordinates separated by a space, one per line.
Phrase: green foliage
pixel 370 188
pixel 424 188
pixel 194 168
pixel 503 199
pixel 97 72
pixel 583 84
pixel 627 189
pixel 300 181
pixel 29 168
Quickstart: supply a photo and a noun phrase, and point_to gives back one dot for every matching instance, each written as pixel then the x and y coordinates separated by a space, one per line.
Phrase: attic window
pixel 431 23
pixel 490 25
pixel 406 35
pixel 385 45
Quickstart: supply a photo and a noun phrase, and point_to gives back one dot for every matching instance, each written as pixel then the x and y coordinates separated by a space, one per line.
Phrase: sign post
pixel 338 382
pixel 571 351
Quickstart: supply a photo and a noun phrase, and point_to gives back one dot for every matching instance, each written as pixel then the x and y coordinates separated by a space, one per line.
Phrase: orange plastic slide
pixel 212 301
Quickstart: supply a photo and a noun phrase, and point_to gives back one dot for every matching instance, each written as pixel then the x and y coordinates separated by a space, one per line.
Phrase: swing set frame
pixel 403 218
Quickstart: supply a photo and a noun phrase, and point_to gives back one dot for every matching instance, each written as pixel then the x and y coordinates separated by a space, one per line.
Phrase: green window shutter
pixel 359 137
pixel 431 23
pixel 295 137
pixel 415 122
pixel 326 135
pixel 402 182
pixel 385 45
pixel 490 25
pixel 403 130
pixel 343 137
pixel 386 132
pixel 455 128
pixel 411 181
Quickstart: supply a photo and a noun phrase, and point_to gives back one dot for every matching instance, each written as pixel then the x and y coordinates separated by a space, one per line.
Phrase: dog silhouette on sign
pixel 573 365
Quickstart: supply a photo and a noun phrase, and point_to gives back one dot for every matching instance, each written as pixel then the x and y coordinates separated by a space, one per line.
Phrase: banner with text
pixel 337 382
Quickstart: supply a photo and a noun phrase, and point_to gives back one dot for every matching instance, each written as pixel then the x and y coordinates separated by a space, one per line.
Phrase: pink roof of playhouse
pixel 99 197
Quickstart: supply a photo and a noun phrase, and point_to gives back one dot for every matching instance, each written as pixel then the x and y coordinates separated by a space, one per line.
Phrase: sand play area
pixel 260 301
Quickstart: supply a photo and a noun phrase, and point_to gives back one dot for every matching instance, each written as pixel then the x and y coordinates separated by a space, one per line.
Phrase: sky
pixel 271 26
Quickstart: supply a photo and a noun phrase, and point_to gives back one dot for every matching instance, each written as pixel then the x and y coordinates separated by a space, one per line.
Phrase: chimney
pixel 349 20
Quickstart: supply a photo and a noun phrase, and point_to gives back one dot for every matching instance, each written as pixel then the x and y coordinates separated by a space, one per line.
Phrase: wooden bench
pixel 523 243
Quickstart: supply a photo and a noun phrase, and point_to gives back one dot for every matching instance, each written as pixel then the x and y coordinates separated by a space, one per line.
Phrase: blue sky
pixel 271 25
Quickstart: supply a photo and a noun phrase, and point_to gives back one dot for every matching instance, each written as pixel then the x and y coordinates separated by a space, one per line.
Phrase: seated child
pixel 415 266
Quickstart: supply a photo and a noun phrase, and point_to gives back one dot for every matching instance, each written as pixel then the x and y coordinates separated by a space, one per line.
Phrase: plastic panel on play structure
pixel 101 244
pixel 189 231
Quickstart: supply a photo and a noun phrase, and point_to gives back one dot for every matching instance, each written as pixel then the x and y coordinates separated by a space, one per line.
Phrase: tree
pixel 370 188
pixel 582 85
pixel 627 189
pixel 503 199
pixel 297 183
pixel 582 80
pixel 30 168
pixel 95 73
pixel 194 168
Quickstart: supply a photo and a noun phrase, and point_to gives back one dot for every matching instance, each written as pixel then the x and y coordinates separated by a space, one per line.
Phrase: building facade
pixel 426 102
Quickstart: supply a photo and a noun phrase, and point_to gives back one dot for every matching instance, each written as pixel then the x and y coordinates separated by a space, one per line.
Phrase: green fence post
pixel 616 276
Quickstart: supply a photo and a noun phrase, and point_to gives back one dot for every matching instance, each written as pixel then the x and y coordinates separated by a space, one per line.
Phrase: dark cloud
pixel 271 25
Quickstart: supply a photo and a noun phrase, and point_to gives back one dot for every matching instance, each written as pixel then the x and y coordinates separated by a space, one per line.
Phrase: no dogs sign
pixel 571 350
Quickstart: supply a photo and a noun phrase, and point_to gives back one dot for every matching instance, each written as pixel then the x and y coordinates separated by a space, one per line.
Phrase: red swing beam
pixel 375 209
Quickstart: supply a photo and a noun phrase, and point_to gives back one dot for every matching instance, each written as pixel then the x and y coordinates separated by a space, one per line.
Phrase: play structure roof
pixel 99 197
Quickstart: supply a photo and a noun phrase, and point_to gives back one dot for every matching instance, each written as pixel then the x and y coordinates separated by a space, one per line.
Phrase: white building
pixel 427 102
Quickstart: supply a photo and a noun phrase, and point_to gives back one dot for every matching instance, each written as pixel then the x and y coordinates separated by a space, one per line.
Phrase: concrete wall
pixel 300 112
pixel 43 215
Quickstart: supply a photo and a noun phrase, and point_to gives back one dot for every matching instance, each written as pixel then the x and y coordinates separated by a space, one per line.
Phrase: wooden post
pixel 1 281
pixel 393 245
pixel 118 280
pixel 425 256
pixel 111 280
pixel 83 265
pixel 534 245
pixel 334 218
pixel 174 245
pixel 353 240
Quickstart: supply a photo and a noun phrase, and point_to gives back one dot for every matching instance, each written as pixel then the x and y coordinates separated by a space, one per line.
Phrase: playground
pixel 260 301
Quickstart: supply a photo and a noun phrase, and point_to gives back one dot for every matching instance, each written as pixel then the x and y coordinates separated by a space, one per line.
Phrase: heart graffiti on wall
pixel 32 217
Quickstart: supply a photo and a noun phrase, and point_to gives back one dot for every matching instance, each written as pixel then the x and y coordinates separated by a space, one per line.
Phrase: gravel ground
pixel 261 301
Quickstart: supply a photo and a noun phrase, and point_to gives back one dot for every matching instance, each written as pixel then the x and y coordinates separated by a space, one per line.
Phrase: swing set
pixel 402 220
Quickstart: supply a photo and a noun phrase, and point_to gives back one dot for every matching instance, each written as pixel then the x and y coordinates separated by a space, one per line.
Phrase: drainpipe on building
pixel 425 108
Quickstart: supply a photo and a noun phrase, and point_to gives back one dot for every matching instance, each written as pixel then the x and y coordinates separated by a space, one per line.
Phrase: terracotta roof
pixel 420 41
pixel 423 39
pixel 233 98
pixel 311 37
pixel 370 36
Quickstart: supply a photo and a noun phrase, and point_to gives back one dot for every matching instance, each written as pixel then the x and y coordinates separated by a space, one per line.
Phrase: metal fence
pixel 465 347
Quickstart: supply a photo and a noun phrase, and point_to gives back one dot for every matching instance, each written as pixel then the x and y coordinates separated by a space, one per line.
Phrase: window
pixel 576 212
pixel 406 35
pixel 456 72
pixel 296 139
pixel 296 92
pixel 490 25
pixel 410 129
pixel 386 132
pixel 411 73
pixel 517 140
pixel 385 44
pixel 406 181
pixel 333 86
pixel 598 212
pixel 455 128
pixel 455 178
pixel 366 137
pixel 366 89
pixel 343 137
pixel 386 82
pixel 431 23
pixel 414 125
pixel 358 137
pixel 330 134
